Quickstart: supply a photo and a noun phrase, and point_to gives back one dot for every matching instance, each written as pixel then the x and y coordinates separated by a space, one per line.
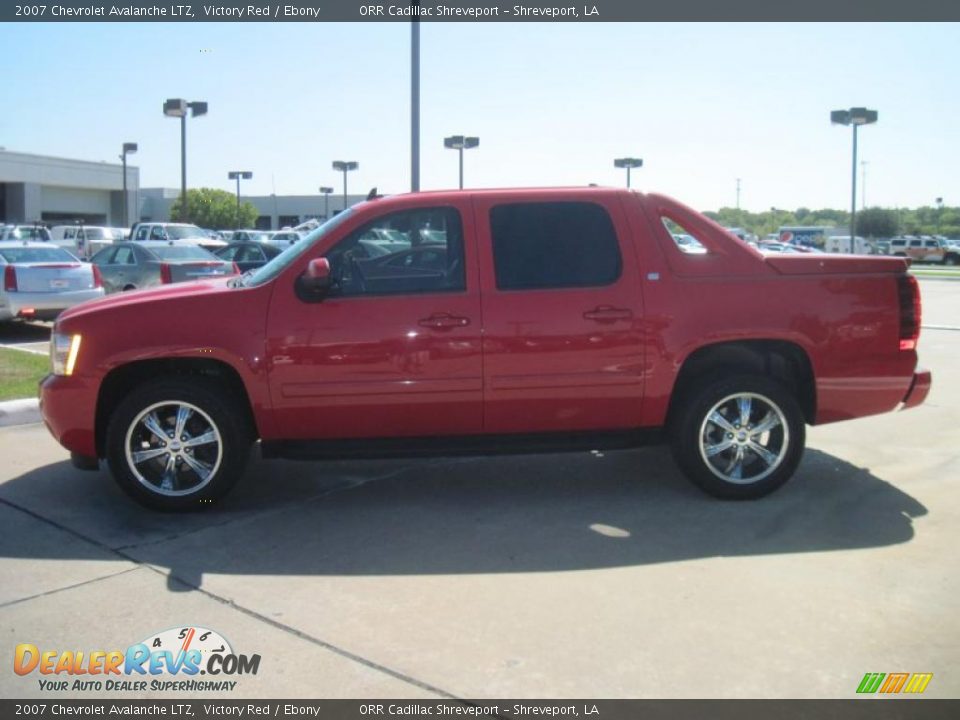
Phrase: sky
pixel 552 104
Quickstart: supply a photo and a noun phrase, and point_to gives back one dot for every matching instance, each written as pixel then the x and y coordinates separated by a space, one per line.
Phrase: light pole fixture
pixel 345 166
pixel 177 107
pixel 326 201
pixel 855 117
pixel 460 143
pixel 238 175
pixel 128 148
pixel 628 163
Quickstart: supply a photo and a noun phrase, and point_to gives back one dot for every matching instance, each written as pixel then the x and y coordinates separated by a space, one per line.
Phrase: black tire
pixel 694 435
pixel 171 477
pixel 950 260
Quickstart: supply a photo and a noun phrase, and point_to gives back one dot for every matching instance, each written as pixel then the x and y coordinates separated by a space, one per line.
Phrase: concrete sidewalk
pixel 19 412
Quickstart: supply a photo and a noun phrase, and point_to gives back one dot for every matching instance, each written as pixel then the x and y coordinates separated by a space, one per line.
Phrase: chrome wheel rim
pixel 744 438
pixel 173 448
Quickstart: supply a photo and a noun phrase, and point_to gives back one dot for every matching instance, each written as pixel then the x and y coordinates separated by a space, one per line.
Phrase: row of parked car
pixel 46 270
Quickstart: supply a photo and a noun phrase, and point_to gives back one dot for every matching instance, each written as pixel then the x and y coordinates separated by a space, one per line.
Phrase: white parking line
pixel 25 349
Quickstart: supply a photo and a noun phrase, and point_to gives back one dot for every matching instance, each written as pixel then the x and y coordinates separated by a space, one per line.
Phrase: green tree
pixel 215 209
pixel 877 222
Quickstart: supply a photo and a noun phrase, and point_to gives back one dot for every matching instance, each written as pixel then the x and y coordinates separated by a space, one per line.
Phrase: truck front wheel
pixel 739 437
pixel 177 444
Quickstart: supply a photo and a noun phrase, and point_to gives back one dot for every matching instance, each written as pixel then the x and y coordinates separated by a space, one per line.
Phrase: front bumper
pixel 919 389
pixel 68 408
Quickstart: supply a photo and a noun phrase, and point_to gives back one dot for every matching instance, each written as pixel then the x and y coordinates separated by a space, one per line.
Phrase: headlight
pixel 63 352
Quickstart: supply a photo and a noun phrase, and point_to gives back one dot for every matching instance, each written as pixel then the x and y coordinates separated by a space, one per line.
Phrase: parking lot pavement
pixel 581 575
pixel 32 336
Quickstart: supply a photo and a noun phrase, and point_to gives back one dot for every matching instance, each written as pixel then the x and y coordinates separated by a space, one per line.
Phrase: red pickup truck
pixel 481 322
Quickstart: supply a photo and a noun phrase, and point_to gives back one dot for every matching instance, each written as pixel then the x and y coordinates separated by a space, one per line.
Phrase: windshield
pixel 183 252
pixel 36 255
pixel 184 232
pixel 273 268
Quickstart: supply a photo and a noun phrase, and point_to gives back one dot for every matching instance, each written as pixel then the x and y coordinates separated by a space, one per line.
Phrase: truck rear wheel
pixel 177 444
pixel 739 437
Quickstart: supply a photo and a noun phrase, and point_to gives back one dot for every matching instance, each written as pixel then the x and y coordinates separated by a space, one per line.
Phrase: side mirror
pixel 314 283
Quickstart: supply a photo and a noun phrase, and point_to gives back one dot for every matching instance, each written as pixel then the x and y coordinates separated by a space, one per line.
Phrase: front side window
pixel 553 245
pixel 412 251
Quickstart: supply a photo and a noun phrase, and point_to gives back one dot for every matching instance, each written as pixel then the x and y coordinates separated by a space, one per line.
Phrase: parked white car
pixel 180 233
pixel 41 280
pixel 284 238
pixel 85 240
pixel 25 232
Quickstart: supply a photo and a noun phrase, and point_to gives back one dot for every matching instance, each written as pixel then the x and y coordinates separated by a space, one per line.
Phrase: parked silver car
pixel 41 280
pixel 134 265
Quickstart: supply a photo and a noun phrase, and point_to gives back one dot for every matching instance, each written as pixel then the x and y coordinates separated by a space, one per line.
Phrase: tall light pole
pixel 345 166
pixel 177 107
pixel 128 148
pixel 414 100
pixel 460 143
pixel 628 163
pixel 238 175
pixel 939 202
pixel 855 117
pixel 326 201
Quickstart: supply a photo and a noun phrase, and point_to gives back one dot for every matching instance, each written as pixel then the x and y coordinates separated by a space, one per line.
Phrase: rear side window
pixel 553 245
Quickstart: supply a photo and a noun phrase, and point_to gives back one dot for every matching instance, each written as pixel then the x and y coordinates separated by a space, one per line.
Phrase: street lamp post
pixel 345 166
pixel 177 107
pixel 855 117
pixel 127 149
pixel 460 143
pixel 628 163
pixel 326 201
pixel 738 193
pixel 238 175
pixel 939 202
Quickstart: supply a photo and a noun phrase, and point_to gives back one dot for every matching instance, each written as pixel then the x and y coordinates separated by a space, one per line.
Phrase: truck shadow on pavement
pixel 530 513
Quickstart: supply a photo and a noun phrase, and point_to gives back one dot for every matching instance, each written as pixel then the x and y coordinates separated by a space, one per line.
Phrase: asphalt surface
pixel 581 575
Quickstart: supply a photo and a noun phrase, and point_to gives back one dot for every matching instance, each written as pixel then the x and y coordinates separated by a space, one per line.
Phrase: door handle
pixel 444 321
pixel 608 313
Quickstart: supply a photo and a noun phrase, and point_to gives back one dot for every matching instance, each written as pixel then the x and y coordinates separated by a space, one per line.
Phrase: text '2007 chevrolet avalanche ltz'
pixel 487 321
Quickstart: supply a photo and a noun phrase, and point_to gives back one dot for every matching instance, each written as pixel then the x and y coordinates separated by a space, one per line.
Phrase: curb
pixel 19 412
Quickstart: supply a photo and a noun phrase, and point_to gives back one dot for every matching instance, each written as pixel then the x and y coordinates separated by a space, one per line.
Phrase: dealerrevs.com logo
pixel 894 683
pixel 168 661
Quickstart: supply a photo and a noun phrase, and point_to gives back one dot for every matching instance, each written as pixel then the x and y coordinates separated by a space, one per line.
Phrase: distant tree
pixel 877 223
pixel 215 209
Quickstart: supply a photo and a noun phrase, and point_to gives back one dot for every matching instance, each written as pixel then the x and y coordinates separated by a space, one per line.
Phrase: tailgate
pixel 53 277
pixel 824 264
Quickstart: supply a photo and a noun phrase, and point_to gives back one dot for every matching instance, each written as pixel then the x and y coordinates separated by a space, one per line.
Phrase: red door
pixel 394 349
pixel 562 313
